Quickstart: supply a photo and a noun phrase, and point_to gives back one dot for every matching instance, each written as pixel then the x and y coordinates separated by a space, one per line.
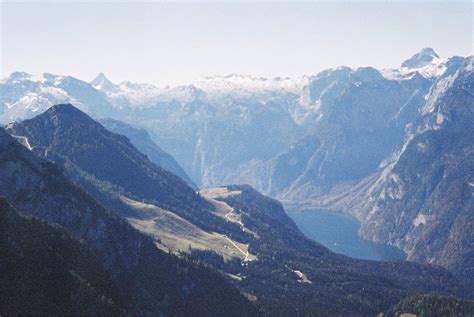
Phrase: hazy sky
pixel 172 43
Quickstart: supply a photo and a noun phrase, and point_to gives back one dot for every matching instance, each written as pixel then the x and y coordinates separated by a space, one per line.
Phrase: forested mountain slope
pixel 149 281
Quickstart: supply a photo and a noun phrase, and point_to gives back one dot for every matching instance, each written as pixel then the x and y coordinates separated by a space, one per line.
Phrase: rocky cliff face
pixel 360 118
pixel 422 200
pixel 212 136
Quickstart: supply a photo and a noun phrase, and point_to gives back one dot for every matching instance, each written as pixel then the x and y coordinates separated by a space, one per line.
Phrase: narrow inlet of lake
pixel 338 232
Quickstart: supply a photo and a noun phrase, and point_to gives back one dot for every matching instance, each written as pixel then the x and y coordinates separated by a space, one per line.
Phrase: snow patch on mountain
pixel 140 95
pixel 419 220
pixel 101 82
pixel 420 59
pixel 236 82
pixel 436 68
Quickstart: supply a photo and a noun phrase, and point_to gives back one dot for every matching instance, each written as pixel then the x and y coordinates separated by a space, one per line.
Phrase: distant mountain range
pixel 391 147
pixel 227 129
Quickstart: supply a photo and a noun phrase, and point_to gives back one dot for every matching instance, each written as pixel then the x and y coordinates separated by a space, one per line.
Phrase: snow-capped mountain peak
pixel 249 83
pixel 19 77
pixel 101 82
pixel 23 95
pixel 426 63
pixel 420 59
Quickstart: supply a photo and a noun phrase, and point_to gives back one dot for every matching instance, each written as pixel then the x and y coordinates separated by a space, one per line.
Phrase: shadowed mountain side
pixel 142 141
pixel 149 281
pixel 44 271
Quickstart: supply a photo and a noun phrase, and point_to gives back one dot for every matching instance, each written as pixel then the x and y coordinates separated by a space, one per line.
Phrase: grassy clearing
pixel 222 209
pixel 177 234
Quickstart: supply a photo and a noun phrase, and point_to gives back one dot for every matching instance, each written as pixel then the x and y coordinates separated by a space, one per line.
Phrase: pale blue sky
pixel 173 43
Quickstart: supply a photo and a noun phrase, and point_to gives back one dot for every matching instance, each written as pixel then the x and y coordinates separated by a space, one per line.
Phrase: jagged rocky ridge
pixel 360 118
pixel 224 129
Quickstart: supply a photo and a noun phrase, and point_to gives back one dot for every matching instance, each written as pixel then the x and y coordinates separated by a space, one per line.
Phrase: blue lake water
pixel 338 232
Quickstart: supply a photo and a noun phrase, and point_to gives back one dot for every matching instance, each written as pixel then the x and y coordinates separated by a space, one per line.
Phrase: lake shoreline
pixel 339 232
